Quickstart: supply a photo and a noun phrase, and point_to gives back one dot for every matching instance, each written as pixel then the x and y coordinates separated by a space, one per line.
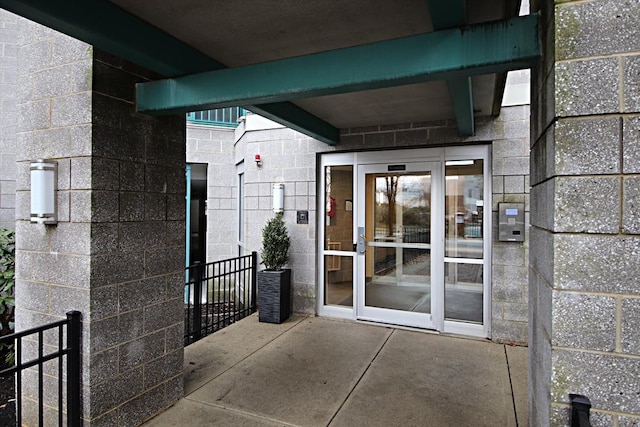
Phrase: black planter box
pixel 274 295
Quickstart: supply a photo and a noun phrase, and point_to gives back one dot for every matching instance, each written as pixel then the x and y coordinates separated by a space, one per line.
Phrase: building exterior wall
pixel 584 293
pixel 214 147
pixel 117 252
pixel 290 158
pixel 287 157
pixel 8 116
pixel 509 137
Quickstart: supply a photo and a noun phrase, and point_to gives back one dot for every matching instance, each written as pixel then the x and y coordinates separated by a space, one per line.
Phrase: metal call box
pixel 511 222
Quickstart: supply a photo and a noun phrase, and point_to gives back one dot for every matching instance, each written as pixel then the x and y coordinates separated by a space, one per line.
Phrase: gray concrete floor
pixel 322 372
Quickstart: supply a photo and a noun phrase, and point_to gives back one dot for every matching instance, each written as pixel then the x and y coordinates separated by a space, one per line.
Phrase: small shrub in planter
pixel 274 282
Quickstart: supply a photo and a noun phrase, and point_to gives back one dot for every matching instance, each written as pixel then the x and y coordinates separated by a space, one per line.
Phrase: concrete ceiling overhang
pixel 183 37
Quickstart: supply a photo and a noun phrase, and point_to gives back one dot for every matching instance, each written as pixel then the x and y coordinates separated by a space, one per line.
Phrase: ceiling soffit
pixel 181 37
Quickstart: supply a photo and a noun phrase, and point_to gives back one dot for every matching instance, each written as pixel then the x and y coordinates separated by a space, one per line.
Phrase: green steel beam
pixel 112 29
pixel 449 54
pixel 461 93
pixel 449 14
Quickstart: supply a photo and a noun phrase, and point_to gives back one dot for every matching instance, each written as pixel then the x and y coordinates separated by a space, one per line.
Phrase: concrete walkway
pixel 321 372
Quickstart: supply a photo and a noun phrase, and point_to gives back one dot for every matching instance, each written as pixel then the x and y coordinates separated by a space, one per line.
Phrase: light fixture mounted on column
pixel 44 177
pixel 258 160
pixel 278 198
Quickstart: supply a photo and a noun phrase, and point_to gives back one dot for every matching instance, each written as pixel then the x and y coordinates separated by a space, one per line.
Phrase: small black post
pixel 197 302
pixel 74 337
pixel 580 406
pixel 254 279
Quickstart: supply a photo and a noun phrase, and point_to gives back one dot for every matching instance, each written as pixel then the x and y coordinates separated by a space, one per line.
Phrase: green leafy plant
pixel 7 284
pixel 275 243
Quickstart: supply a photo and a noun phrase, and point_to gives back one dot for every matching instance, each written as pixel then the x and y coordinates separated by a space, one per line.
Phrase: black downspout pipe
pixel 580 406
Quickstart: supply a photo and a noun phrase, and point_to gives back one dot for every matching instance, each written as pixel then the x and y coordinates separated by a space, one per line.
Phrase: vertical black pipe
pixel 254 279
pixel 40 378
pixel 74 337
pixel 197 303
pixel 60 369
pixel 580 406
pixel 18 363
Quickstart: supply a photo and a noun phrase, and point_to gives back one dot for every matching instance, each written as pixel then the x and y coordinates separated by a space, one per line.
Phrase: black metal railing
pixel 48 342
pixel 218 294
pixel 580 407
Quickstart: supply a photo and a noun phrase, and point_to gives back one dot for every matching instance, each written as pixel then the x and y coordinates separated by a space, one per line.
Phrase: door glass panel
pixel 338 210
pixel 398 254
pixel 338 279
pixel 463 292
pixel 464 203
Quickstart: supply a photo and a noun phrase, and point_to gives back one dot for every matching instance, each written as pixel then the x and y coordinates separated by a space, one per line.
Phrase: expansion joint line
pixel 513 397
pixel 360 379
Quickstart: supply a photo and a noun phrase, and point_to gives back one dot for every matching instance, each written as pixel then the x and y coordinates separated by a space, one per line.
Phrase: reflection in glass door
pixel 464 242
pixel 397 284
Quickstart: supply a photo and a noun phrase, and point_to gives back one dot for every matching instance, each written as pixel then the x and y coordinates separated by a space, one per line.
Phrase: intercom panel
pixel 511 222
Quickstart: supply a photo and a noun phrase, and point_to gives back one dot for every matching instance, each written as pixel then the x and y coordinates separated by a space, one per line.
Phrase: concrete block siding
pixel 8 116
pixel 117 252
pixel 215 147
pixel 290 157
pixel 585 240
pixel 510 183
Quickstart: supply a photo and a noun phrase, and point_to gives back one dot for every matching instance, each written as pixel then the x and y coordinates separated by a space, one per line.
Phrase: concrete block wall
pixel 8 117
pixel 117 253
pixel 584 266
pixel 214 146
pixel 509 137
pixel 290 158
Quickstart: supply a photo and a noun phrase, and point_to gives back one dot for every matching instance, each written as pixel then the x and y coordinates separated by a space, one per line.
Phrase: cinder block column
pixel 8 117
pixel 117 253
pixel 584 287
pixel 509 265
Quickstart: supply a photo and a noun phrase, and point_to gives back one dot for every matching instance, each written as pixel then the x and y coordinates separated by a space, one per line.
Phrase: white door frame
pixel 385 315
pixel 439 155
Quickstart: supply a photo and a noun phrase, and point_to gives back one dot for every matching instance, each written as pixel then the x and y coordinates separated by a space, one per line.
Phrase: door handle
pixel 361 243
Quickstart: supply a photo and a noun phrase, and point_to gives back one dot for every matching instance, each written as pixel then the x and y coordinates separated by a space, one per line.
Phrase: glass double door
pixel 403 238
pixel 396 261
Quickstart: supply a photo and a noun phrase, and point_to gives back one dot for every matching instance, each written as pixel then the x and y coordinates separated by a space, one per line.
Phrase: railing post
pixel 197 302
pixel 580 406
pixel 74 337
pixel 254 279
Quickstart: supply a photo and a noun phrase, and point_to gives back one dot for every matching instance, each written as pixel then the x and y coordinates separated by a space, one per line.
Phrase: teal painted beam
pixel 294 117
pixel 112 29
pixel 449 54
pixel 461 93
pixel 449 14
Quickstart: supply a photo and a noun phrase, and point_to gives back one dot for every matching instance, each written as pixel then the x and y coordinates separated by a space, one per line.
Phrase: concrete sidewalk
pixel 322 372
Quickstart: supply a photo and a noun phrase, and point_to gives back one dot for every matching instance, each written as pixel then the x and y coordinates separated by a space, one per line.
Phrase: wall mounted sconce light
pixel 278 198
pixel 258 160
pixel 44 177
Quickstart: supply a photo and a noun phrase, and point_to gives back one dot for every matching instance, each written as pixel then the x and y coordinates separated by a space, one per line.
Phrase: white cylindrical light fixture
pixel 278 198
pixel 44 177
